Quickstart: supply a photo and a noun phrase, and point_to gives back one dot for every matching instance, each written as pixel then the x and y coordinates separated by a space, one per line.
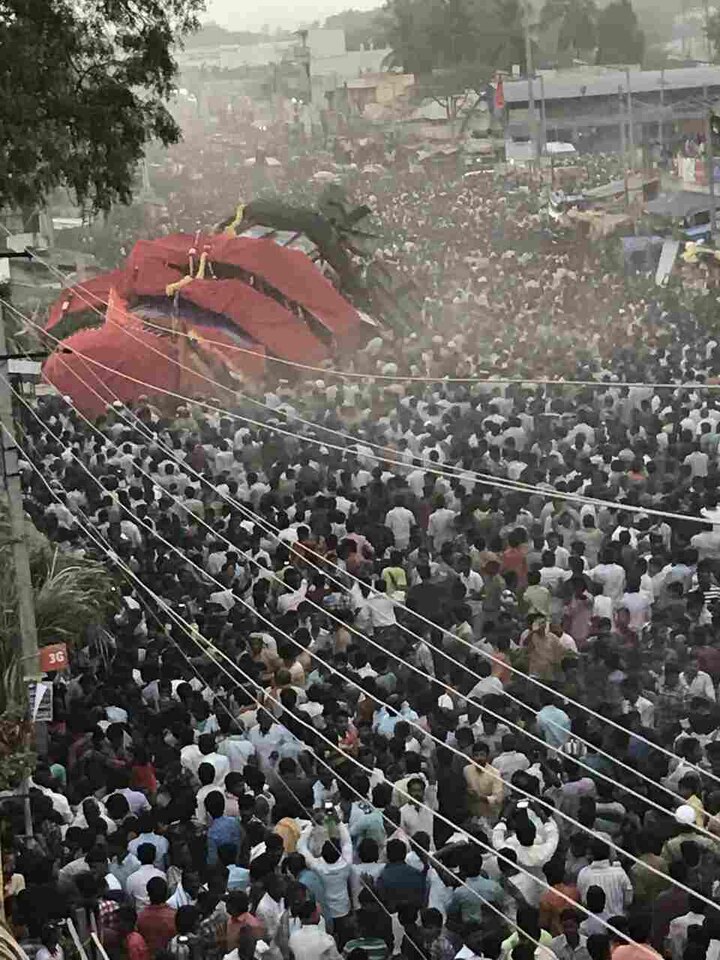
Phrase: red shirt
pixel 143 778
pixel 156 924
pixel 135 947
pixel 552 904
pixel 515 559
pixel 243 923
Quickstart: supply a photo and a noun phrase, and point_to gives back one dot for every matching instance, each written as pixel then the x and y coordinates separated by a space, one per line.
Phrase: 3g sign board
pixel 53 657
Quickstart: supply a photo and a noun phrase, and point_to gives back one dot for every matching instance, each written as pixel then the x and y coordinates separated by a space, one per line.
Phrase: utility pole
pixel 631 126
pixel 710 160
pixel 532 119
pixel 623 144
pixel 706 24
pixel 661 124
pixel 28 647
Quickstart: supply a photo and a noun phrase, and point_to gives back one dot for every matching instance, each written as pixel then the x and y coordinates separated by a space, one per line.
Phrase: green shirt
pixel 374 947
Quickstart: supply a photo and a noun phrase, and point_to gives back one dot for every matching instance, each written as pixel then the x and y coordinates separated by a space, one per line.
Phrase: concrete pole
pixel 28 647
pixel 530 69
pixel 631 125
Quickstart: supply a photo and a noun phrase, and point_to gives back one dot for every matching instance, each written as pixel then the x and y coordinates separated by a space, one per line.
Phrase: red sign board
pixel 53 657
pixel 499 95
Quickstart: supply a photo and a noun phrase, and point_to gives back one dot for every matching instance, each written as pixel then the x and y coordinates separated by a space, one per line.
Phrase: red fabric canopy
pixel 153 264
pixel 89 295
pixel 261 317
pixel 295 275
pixel 122 345
pixel 229 311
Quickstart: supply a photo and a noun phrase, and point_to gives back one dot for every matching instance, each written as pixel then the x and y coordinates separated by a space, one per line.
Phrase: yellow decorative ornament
pixel 172 288
pixel 232 227
pixel 690 253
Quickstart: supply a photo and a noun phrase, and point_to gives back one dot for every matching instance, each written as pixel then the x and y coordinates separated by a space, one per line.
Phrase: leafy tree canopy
pixel 619 37
pixel 427 35
pixel 575 21
pixel 85 84
pixel 712 31
pixel 362 28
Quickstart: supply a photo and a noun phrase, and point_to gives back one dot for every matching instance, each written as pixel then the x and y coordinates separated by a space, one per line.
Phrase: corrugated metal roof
pixel 606 84
pixel 681 204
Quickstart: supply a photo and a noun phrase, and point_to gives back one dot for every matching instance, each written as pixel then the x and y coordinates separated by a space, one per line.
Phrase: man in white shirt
pixel 334 867
pixel 511 759
pixel 678 931
pixel 610 576
pixel 311 941
pixel 381 608
pixel 707 544
pixel 698 683
pixel 268 738
pixel 487 685
pixel 551 573
pixel 296 591
pixel 400 521
pixel 610 877
pixel 137 882
pixel 206 746
pixel 698 461
pixel 441 525
pixel 271 905
pixel 534 843
pixel 233 744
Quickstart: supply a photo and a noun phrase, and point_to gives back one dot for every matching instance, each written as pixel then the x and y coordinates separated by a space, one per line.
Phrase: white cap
pixel 685 814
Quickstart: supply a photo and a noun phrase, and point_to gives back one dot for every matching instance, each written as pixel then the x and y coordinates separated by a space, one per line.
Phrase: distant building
pixel 311 66
pixel 689 40
pixel 588 108
pixel 383 89
pixel 321 43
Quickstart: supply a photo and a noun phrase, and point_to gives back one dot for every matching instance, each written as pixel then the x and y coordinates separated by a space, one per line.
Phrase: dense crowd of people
pixel 432 672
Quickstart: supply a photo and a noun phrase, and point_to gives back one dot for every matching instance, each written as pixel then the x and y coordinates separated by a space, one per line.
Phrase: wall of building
pixel 322 44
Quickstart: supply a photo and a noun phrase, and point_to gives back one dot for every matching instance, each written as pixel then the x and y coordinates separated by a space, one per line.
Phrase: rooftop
pixel 558 87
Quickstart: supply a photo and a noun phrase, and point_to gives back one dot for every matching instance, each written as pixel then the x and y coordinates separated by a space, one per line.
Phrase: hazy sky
pixel 244 15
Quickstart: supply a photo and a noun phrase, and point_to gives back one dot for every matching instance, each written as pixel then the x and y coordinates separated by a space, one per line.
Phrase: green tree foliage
pixel 575 21
pixel 452 87
pixel 362 28
pixel 85 84
pixel 712 30
pixel 619 37
pixel 427 35
pixel 409 27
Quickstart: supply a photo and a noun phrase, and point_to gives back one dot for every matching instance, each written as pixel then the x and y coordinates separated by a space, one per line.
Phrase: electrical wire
pixel 459 473
pixel 527 795
pixel 446 472
pixel 276 773
pixel 368 376
pixel 494 660
pixel 267 527
pixel 205 646
pixel 483 653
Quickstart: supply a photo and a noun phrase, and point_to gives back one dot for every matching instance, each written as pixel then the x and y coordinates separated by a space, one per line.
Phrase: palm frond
pixel 71 594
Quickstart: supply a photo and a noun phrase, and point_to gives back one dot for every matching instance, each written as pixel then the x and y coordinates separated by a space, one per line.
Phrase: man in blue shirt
pixel 553 724
pixel 222 830
pixel 400 884
pixel 148 835
pixel 469 899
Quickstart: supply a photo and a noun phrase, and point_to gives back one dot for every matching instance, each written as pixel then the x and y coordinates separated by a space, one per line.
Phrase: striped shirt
pixel 612 879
